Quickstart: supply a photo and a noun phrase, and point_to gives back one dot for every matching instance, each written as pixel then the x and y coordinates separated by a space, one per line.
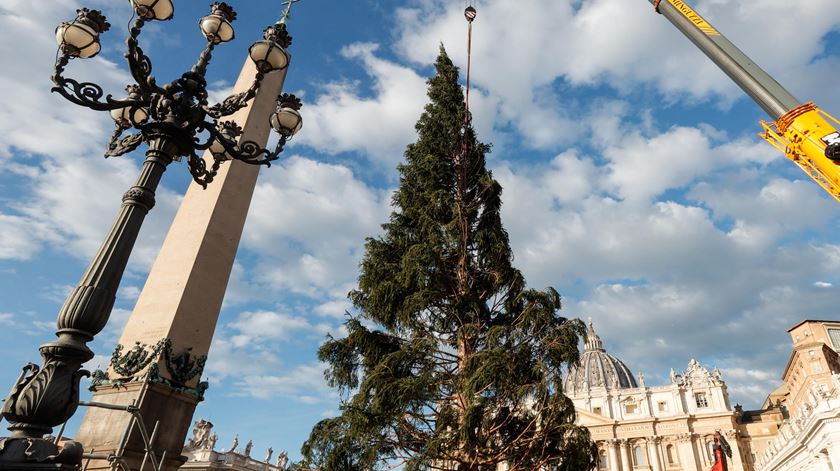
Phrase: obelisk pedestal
pixel 160 357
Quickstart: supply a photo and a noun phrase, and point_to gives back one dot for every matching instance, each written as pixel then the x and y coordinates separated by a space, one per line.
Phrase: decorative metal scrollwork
pixel 237 101
pixel 200 173
pixel 86 94
pixel 118 147
pixel 178 110
pixel 139 63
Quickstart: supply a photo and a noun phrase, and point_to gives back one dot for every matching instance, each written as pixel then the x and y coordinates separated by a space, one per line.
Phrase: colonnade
pixel 651 453
pixel 685 451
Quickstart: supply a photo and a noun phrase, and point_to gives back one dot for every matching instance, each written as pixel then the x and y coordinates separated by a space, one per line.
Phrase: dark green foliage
pixel 464 371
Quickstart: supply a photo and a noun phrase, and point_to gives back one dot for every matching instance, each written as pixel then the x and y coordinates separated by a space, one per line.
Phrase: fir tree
pixel 463 369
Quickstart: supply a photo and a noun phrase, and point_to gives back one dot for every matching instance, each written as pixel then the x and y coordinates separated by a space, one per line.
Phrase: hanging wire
pixel 462 160
pixel 470 14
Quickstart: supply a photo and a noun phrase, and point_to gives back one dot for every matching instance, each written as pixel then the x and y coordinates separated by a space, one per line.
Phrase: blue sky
pixel 634 183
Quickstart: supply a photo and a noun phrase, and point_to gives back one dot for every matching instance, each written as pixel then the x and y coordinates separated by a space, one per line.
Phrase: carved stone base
pixel 36 453
pixel 101 429
pixel 36 467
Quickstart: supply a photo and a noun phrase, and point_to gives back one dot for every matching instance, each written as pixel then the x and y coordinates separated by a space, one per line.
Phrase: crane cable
pixel 462 158
pixel 469 14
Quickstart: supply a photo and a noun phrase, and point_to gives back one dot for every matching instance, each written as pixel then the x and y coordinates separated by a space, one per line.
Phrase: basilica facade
pixel 661 428
pixel 808 437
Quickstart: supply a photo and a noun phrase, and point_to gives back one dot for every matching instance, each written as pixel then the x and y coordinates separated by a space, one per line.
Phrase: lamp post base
pixel 37 467
pixel 34 454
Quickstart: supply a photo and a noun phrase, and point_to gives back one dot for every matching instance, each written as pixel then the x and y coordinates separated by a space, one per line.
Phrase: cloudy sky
pixel 634 183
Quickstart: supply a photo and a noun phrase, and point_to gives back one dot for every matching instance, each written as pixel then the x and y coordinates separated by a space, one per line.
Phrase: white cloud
pixel 343 119
pixel 57 292
pixel 336 308
pixel 7 319
pixel 315 216
pixel 225 360
pixel 722 272
pixel 21 238
pixel 43 326
pixel 265 325
pixel 98 362
pixel 304 383
pixel 73 194
pixel 96 186
pixel 379 123
pixel 128 293
pixel 239 289
pixel 519 51
pixel 671 279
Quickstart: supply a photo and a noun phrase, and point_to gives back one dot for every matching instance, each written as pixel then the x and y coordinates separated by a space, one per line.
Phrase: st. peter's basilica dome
pixel 598 369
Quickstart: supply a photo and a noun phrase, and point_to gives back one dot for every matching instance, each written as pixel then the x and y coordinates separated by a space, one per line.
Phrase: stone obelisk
pixel 158 363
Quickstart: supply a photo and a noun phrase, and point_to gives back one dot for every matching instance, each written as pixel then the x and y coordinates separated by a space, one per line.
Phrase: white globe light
pixel 78 39
pixel 154 9
pixel 286 121
pixel 216 29
pixel 268 55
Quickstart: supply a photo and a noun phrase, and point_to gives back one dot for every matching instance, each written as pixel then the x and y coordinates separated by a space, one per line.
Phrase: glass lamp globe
pixel 286 121
pixel 217 149
pixel 78 39
pixel 129 115
pixel 154 9
pixel 216 29
pixel 268 55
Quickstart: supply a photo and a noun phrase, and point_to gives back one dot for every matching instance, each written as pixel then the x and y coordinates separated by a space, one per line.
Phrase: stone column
pixel 688 455
pixel 612 451
pixel 161 354
pixel 626 460
pixel 653 453
pixel 834 455
pixel 734 439
pixel 825 463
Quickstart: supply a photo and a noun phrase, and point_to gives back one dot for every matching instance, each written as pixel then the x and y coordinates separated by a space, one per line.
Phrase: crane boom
pixel 804 133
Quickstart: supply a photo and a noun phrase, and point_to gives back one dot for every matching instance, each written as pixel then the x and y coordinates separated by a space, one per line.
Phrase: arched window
pixel 639 458
pixel 602 460
pixel 710 451
pixel 671 455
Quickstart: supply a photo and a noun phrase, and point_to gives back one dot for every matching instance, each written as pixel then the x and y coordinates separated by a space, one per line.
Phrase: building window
pixel 602 460
pixel 639 458
pixel 631 408
pixel 671 455
pixel 710 451
pixel 700 400
pixel 597 410
pixel 834 335
pixel 816 367
pixel 662 406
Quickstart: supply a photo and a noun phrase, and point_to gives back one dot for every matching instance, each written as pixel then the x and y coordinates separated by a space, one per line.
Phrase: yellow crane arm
pixel 808 136
pixel 805 134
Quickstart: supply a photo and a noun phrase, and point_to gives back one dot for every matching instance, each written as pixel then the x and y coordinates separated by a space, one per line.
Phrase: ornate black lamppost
pixel 176 122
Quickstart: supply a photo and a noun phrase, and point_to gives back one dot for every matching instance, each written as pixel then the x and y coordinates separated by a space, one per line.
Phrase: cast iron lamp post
pixel 176 122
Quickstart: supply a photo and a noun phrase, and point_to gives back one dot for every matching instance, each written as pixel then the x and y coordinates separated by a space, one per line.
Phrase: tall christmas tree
pixel 452 364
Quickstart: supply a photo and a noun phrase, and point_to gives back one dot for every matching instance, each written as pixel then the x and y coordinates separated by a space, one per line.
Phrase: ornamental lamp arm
pixel 139 63
pixel 88 94
pixel 236 101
